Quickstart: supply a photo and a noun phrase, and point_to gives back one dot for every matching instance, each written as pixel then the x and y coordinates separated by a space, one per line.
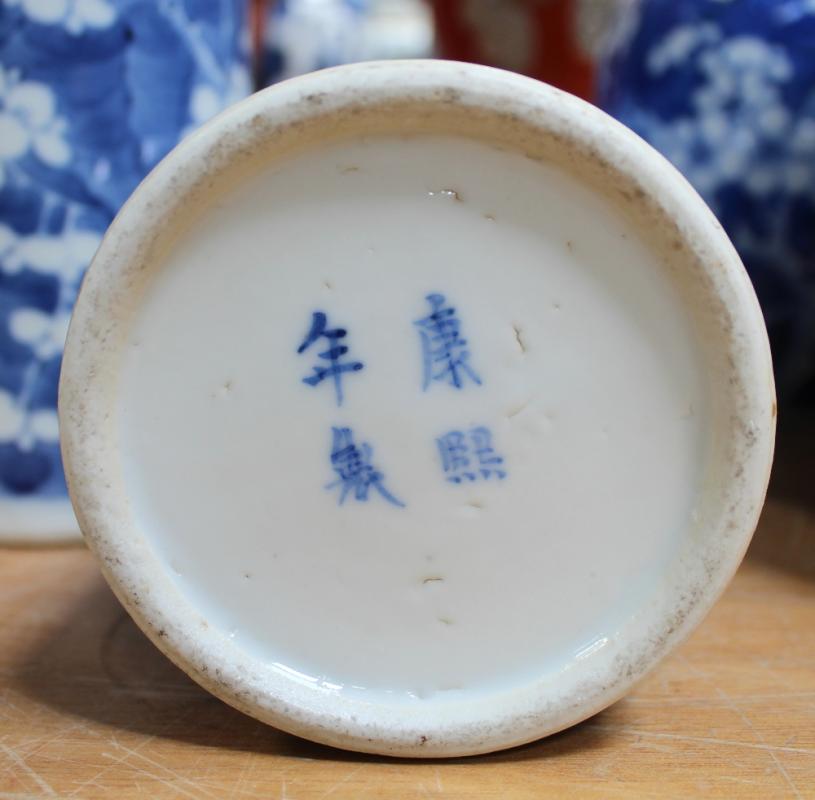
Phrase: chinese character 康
pixel 335 367
pixel 444 352
pixel 355 473
pixel 466 457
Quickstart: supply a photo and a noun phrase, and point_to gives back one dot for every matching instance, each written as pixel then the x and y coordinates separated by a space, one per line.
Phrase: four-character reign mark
pixel 465 456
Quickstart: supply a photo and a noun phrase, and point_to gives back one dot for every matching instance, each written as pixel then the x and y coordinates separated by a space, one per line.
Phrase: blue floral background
pixel 726 90
pixel 92 94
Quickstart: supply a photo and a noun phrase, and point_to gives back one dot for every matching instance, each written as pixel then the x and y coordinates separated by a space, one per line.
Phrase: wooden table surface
pixel 89 708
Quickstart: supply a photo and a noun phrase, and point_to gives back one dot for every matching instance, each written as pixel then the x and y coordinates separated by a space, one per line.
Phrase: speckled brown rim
pixel 545 123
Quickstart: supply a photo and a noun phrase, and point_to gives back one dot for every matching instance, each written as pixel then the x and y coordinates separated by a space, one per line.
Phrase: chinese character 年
pixel 334 366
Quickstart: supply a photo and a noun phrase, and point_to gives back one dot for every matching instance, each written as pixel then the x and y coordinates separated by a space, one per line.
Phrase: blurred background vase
pixel 293 37
pixel 551 40
pixel 726 90
pixel 92 94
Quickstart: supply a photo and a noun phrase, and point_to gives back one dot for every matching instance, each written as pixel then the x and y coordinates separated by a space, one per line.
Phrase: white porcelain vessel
pixel 417 408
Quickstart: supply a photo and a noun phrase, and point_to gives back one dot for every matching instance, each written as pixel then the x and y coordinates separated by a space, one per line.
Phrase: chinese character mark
pixel 445 354
pixel 335 366
pixel 466 457
pixel 355 473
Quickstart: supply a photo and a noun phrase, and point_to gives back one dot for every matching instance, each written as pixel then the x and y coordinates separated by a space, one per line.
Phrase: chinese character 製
pixel 445 355
pixel 469 456
pixel 355 473
pixel 334 367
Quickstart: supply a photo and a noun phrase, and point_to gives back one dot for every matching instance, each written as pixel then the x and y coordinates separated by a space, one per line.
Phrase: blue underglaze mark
pixel 469 456
pixel 355 473
pixel 335 367
pixel 445 355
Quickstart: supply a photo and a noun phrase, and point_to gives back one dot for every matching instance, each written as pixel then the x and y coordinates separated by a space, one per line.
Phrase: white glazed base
pixel 628 377
pixel 589 386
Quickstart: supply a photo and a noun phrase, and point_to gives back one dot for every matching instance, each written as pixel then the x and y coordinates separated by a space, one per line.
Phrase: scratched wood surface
pixel 89 709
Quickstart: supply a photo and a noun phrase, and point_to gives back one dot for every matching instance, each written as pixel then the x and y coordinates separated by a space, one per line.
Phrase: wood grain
pixel 89 709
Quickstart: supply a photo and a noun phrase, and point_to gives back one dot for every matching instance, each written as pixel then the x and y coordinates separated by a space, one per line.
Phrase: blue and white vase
pixel 726 90
pixel 92 94
pixel 300 36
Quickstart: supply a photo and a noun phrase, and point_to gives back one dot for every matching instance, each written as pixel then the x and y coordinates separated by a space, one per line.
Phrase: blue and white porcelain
pixel 477 520
pixel 92 94
pixel 726 90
